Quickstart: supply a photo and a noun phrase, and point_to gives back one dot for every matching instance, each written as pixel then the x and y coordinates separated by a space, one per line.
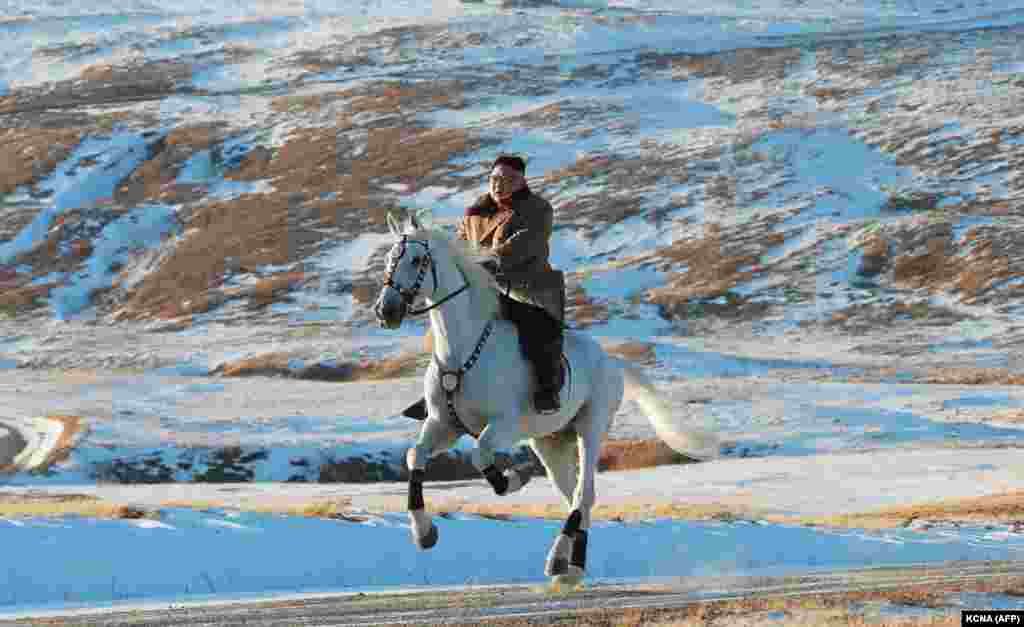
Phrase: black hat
pixel 514 161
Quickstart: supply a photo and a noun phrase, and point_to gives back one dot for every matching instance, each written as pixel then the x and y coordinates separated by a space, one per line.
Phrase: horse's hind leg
pixel 435 436
pixel 559 453
pixel 591 424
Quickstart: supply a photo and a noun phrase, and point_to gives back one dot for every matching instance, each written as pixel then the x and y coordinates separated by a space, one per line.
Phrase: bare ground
pixel 843 599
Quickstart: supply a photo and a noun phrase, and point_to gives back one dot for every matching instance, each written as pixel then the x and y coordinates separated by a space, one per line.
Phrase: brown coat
pixel 520 239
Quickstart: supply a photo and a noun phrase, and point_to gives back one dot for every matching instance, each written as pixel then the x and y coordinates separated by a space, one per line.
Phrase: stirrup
pixel 417 411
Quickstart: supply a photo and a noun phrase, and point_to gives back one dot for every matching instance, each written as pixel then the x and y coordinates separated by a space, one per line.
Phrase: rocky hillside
pixel 849 183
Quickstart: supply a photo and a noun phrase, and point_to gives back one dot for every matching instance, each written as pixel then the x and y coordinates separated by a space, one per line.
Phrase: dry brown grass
pixel 253 229
pixel 1008 507
pixel 276 364
pixel 208 504
pixel 936 266
pixel 268 364
pixel 931 259
pixel 103 83
pixel 441 505
pixel 712 266
pixel 310 103
pixel 47 257
pixel 862 317
pixel 586 166
pixel 338 508
pixel 618 512
pixel 971 376
pixel 24 298
pixel 43 505
pixel 637 454
pixel 406 99
pixel 984 267
pixel 639 352
pixel 1012 416
pixel 837 94
pixel 29 154
pixel 154 179
pixel 388 97
pixel 743 65
pixel 263 229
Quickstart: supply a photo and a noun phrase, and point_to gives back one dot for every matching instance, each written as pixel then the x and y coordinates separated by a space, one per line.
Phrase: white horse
pixel 477 357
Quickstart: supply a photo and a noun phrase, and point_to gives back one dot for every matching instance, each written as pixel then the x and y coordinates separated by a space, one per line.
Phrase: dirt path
pixel 524 604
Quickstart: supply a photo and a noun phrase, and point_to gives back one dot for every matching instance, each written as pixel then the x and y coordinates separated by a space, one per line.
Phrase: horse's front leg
pixel 500 434
pixel 435 436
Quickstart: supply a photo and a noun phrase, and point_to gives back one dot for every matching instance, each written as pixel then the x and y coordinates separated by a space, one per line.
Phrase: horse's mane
pixel 467 259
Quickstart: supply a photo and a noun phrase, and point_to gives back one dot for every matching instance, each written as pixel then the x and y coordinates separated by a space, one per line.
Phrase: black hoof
pixel 417 411
pixel 558 566
pixel 428 541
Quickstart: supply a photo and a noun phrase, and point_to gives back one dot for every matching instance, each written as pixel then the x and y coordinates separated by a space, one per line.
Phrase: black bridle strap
pixel 447 298
pixel 419 279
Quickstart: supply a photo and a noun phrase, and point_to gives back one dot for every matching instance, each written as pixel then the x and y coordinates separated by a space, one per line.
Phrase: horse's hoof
pixel 569 580
pixel 557 567
pixel 428 541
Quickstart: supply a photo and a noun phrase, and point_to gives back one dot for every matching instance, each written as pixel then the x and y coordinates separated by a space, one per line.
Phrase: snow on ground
pixel 170 413
pixel 810 448
pixel 192 555
pixel 786 487
pixel 86 177
pixel 139 230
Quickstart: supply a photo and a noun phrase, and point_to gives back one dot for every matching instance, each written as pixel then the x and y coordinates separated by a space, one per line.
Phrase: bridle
pixel 409 294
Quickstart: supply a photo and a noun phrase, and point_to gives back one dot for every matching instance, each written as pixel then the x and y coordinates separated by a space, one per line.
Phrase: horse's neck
pixel 457 325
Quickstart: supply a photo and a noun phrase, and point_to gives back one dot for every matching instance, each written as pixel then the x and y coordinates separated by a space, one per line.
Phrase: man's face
pixel 504 182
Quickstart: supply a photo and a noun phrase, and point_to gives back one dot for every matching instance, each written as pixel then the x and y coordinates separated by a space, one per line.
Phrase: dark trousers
pixel 540 340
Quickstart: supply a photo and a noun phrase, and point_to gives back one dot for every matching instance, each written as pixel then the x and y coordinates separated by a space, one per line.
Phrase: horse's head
pixel 407 265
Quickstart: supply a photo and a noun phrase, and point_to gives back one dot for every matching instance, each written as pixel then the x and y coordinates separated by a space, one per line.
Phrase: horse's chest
pixel 479 394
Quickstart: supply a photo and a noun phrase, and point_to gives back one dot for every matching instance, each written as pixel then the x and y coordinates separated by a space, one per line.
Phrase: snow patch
pixel 89 174
pixel 142 228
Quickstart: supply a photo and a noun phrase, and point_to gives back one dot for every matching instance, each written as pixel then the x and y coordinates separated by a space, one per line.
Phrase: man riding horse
pixel 516 225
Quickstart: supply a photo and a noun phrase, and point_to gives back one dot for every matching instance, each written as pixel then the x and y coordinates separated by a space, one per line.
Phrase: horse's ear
pixel 396 230
pixel 414 223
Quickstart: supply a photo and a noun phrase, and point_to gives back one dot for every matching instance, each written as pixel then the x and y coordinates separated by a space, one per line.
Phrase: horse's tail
pixel 688 441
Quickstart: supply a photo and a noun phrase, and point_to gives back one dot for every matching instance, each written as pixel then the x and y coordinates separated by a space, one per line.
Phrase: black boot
pixel 546 400
pixel 417 411
pixel 549 377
